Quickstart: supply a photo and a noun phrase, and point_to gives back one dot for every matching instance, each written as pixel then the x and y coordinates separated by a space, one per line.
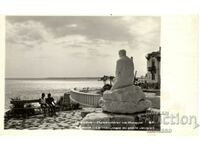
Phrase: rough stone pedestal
pixel 126 100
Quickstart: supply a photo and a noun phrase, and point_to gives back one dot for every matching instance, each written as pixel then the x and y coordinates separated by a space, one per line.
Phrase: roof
pixel 153 54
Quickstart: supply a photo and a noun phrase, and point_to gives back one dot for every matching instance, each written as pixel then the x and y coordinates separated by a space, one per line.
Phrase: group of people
pixel 48 104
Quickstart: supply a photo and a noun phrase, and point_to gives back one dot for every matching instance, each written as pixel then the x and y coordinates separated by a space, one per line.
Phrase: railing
pixel 86 99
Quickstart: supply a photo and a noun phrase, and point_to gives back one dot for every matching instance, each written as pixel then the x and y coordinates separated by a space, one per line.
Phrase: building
pixel 153 67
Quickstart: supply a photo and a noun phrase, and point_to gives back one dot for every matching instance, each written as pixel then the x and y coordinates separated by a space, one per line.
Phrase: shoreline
pixel 55 78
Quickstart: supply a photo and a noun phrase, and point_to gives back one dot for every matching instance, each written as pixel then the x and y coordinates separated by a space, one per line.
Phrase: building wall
pixel 157 73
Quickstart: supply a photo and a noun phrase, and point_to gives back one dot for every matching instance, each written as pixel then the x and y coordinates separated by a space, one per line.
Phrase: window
pixel 153 66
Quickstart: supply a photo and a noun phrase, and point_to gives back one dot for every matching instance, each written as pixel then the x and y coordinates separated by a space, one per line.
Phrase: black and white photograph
pixel 99 74
pixel 83 73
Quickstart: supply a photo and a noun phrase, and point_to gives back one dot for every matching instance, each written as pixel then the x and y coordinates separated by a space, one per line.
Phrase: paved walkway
pixel 63 120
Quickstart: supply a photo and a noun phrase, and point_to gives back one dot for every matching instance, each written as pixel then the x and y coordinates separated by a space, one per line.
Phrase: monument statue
pixel 124 73
pixel 124 97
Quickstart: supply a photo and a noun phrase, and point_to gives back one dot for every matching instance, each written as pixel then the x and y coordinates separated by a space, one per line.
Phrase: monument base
pixel 126 100
pixel 125 107
pixel 147 121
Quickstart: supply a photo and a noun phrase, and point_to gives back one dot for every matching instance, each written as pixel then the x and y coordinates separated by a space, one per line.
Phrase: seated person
pixel 43 103
pixel 124 74
pixel 50 102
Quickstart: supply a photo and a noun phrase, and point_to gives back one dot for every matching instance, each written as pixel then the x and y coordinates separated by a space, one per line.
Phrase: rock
pixel 86 111
pixel 33 128
pixel 129 93
pixel 66 99
pixel 128 100
pixel 155 100
pixel 76 124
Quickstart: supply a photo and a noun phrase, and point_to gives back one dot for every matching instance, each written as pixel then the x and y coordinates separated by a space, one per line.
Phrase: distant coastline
pixel 56 78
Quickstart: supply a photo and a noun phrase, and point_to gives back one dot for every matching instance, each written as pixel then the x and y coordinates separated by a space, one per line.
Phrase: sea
pixel 27 89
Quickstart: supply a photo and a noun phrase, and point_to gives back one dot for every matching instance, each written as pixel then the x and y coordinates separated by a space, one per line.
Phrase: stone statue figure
pixel 124 97
pixel 124 74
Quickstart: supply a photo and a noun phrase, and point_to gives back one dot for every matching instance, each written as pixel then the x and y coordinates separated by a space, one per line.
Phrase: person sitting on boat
pixel 43 103
pixel 51 104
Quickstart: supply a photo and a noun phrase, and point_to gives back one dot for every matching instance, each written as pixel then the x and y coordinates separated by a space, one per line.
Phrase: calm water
pixel 32 89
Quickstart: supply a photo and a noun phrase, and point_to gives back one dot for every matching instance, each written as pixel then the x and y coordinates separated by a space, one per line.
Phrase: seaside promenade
pixel 73 119
pixel 63 120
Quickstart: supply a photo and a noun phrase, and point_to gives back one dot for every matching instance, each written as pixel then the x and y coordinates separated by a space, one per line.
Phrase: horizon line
pixel 51 77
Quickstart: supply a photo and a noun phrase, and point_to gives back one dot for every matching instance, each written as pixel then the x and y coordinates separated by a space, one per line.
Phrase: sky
pixel 77 46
